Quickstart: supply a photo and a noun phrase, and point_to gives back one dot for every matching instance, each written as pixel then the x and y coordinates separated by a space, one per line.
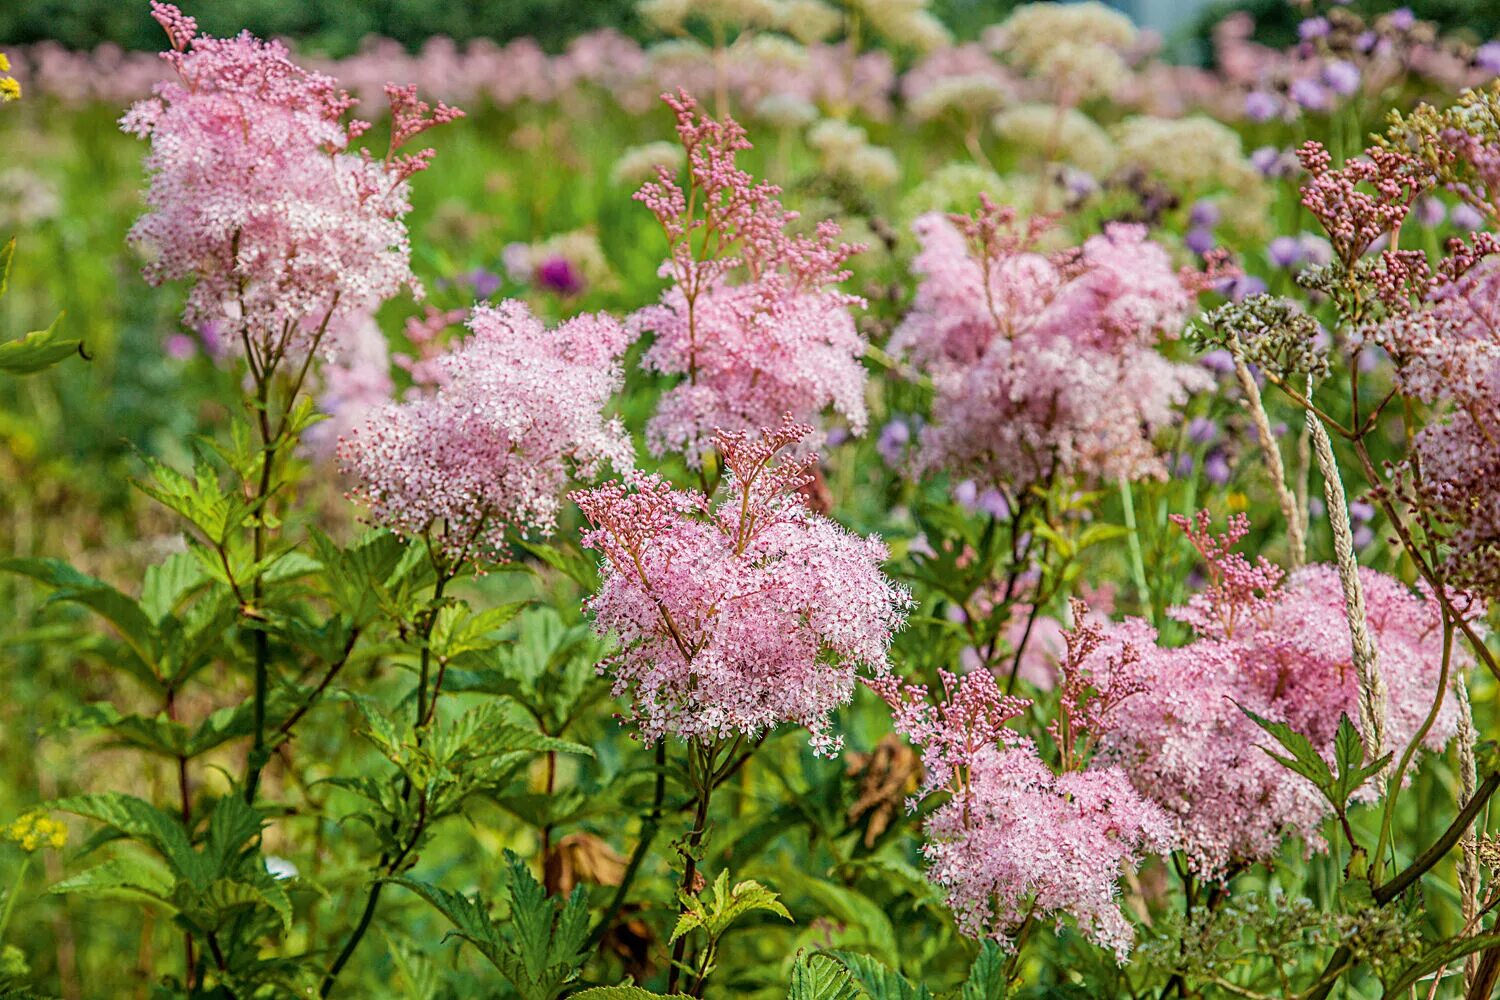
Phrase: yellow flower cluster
pixel 35 830
pixel 10 87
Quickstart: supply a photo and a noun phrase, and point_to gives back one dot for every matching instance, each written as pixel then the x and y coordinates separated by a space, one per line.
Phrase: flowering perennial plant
pixel 517 413
pixel 752 321
pixel 1281 649
pixel 1044 366
pixel 1016 840
pixel 738 615
pixel 258 196
pixel 1129 714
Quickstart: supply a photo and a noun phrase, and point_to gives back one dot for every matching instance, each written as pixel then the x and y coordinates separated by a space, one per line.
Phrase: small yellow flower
pixel 36 830
pixel 10 87
pixel 1237 501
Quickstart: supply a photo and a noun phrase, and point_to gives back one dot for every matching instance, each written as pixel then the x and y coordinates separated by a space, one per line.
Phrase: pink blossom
pixel 517 412
pixel 752 321
pixel 256 197
pixel 1044 366
pixel 737 616
pixel 1284 652
pixel 1448 356
pixel 1016 839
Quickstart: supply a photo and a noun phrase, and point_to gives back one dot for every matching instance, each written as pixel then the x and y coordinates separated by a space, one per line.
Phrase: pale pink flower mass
pixel 1044 366
pixel 1282 650
pixel 1017 839
pixel 517 413
pixel 257 197
pixel 736 616
pixel 753 321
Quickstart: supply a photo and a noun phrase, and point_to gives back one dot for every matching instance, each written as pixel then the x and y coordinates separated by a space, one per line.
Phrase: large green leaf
pixel 819 977
pixel 880 981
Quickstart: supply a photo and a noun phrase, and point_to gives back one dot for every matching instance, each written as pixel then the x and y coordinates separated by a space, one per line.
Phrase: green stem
pixel 1387 819
pixel 1137 561
pixel 15 892
pixel 704 775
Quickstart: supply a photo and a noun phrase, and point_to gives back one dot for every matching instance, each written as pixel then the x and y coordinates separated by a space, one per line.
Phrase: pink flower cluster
pixel 517 411
pixel 1017 839
pixel 1449 358
pixel 737 616
pixel 752 321
pixel 1282 651
pixel 1044 365
pixel 256 197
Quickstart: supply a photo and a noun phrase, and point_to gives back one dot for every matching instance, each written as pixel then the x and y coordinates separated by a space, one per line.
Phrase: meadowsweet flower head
pixel 517 411
pixel 1363 200
pixel 737 616
pixel 1448 356
pixel 1237 590
pixel 752 320
pixel 1016 838
pixel 1044 366
pixel 1281 648
pixel 257 197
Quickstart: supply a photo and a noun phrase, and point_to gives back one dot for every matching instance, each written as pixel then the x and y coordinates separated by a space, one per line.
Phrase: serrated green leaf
pixel 1304 760
pixel 130 878
pixel 819 977
pixel 168 582
pixel 69 585
pixel 880 981
pixel 624 993
pixel 987 975
pixel 140 821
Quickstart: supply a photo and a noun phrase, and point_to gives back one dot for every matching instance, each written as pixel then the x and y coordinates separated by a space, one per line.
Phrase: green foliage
pixel 39 349
pixel 715 912
pixel 1349 754
pixel 538 948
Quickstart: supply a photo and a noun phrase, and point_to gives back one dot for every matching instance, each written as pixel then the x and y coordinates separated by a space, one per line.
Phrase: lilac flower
pixel 1260 106
pixel 1466 216
pixel 1402 19
pixel 1361 511
pixel 1216 468
pixel 1270 161
pixel 1199 240
pixel 1342 77
pixel 1315 249
pixel 1431 211
pixel 1243 287
pixel 1313 27
pixel 894 437
pixel 1204 213
pixel 1201 430
pixel 1487 57
pixel 1310 95
pixel 1220 362
pixel 484 283
pixel 1285 252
